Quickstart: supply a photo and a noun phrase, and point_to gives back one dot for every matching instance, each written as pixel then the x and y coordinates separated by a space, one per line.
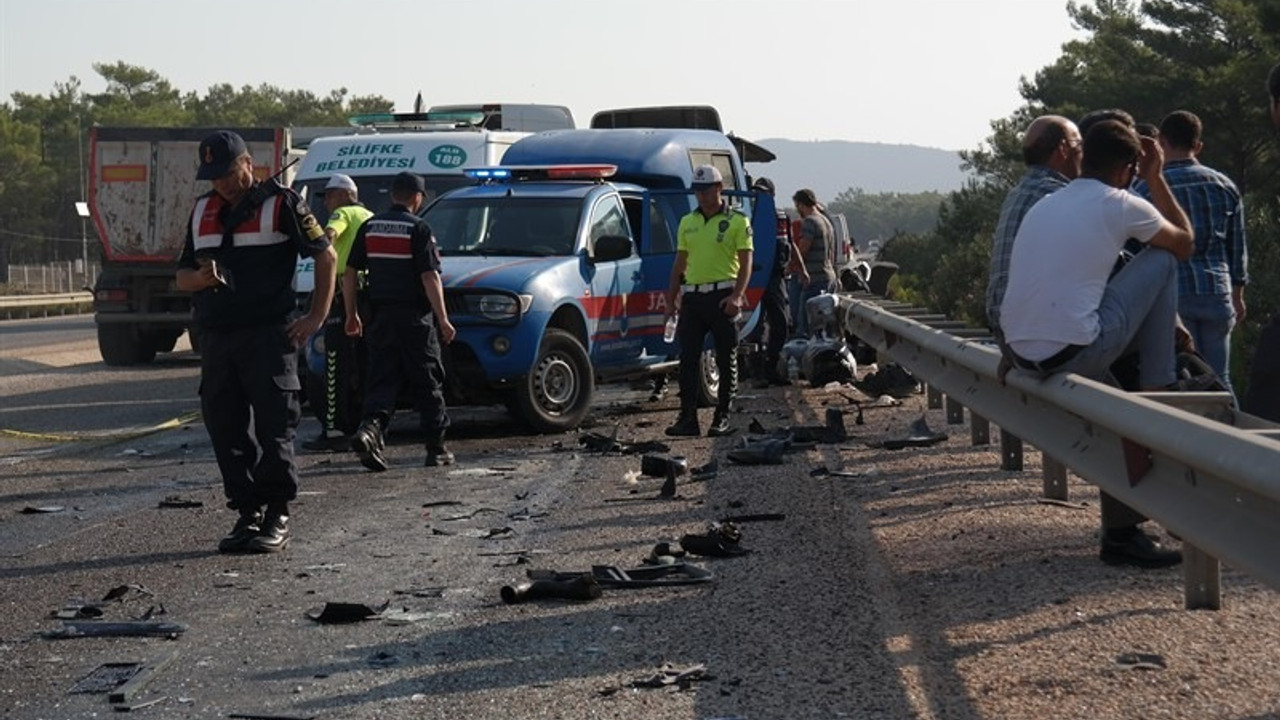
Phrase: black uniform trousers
pixel 775 321
pixel 405 350
pixel 345 365
pixel 249 397
pixel 700 313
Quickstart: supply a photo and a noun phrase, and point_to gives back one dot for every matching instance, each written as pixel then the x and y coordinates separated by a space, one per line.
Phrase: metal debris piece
pixel 136 684
pixel 268 716
pixel 720 540
pixel 596 442
pixel 105 678
pixel 919 434
pixel 177 501
pixel 441 503
pixel 642 577
pixel 99 628
pixel 1141 661
pixel 669 675
pixel 41 509
pixel 579 587
pixel 340 613
pixel 757 517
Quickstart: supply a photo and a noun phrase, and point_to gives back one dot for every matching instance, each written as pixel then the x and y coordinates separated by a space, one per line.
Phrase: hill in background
pixel 831 167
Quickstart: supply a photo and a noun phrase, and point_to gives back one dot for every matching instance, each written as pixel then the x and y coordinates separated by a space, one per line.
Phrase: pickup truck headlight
pixel 499 307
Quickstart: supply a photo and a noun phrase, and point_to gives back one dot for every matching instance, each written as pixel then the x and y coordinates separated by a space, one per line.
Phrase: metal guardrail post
pixel 979 429
pixel 933 397
pixel 1055 478
pixel 1203 578
pixel 1010 451
pixel 955 411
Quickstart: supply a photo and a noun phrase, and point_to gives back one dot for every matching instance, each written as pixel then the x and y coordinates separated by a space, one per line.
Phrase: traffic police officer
pixel 409 322
pixel 712 268
pixel 242 246
pixel 343 360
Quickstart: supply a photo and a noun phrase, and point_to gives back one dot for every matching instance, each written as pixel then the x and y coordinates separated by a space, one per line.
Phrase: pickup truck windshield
pixel 534 227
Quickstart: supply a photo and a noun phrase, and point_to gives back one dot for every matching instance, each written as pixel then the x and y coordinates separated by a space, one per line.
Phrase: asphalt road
pixel 919 584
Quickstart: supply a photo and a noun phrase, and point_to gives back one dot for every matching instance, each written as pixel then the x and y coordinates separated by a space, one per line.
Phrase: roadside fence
pixel 57 277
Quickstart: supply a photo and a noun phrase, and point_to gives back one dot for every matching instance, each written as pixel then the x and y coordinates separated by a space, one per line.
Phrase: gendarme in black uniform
pixel 396 248
pixel 249 381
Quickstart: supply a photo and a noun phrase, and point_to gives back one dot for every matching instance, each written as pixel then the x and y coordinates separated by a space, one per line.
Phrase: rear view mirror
pixel 612 247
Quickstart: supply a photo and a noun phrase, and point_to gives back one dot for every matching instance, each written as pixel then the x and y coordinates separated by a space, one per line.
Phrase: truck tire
pixel 709 380
pixel 121 344
pixel 164 340
pixel 556 394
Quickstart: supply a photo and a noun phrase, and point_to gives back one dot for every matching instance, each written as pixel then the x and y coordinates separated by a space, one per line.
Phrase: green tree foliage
pixel 1150 58
pixel 882 215
pixel 44 142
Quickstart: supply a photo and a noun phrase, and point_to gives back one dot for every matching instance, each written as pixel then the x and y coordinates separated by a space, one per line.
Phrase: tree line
pixel 44 144
pixel 1210 57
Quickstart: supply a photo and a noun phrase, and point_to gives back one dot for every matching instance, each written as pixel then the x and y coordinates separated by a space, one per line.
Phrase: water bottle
pixel 669 332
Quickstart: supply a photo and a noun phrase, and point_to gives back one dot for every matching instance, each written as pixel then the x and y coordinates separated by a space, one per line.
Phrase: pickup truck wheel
pixel 556 394
pixel 122 344
pixel 708 379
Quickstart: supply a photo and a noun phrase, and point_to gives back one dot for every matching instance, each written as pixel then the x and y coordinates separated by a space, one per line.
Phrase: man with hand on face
pixel 709 278
pixel 1064 312
pixel 242 246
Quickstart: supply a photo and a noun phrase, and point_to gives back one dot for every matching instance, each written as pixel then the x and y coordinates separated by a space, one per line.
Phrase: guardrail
pixel 28 305
pixel 1212 480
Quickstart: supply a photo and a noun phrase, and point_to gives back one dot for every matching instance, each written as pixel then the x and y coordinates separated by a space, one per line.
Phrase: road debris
pixel 919 434
pixel 579 587
pixel 179 502
pixel 101 628
pixel 1141 661
pixel 341 613
pixel 669 675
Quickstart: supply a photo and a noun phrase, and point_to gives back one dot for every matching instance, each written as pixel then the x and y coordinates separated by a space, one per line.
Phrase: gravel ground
pixel 929 584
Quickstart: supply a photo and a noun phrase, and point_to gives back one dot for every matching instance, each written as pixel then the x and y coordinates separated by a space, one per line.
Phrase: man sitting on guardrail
pixel 1061 313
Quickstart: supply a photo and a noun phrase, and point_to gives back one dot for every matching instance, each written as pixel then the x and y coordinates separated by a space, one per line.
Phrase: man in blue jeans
pixel 1061 314
pixel 1211 282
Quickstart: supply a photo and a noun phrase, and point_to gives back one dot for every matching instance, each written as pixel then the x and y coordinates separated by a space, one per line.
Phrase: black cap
pixel 763 184
pixel 218 152
pixel 407 182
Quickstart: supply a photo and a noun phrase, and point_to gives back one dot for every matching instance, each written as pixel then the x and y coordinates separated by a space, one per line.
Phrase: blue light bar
pixel 488 173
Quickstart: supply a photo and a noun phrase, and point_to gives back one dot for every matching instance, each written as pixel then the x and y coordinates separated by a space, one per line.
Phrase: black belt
pixel 1049 364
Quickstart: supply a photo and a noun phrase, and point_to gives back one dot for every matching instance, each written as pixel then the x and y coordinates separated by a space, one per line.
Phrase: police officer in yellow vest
pixel 343 357
pixel 709 280
pixel 238 262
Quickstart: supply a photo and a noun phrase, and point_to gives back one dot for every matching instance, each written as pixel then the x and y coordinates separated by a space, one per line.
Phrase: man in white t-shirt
pixel 1061 313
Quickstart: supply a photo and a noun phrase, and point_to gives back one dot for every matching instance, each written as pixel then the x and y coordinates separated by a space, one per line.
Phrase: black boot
pixel 720 425
pixel 1132 546
pixel 273 534
pixel 685 426
pixel 242 533
pixel 437 453
pixel 368 443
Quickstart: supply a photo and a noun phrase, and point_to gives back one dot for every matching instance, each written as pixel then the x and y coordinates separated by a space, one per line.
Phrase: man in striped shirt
pixel 1211 282
pixel 1051 150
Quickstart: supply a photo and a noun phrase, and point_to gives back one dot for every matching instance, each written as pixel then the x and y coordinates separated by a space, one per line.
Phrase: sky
pixel 921 72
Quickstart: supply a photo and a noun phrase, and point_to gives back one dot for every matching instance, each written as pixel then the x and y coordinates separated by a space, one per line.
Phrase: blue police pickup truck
pixel 556 264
